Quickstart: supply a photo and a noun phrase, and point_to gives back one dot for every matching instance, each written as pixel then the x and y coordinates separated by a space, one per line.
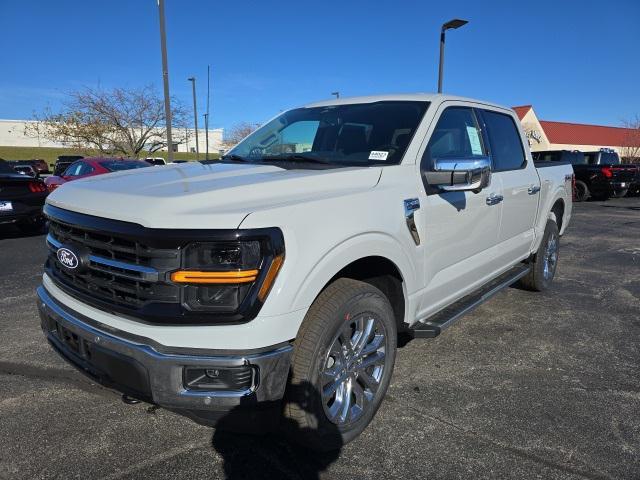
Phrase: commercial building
pixel 551 135
pixel 12 134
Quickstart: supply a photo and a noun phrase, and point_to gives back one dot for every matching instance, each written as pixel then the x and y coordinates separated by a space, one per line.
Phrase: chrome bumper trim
pixel 165 370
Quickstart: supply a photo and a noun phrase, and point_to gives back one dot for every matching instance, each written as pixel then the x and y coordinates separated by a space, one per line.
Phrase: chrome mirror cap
pixel 460 174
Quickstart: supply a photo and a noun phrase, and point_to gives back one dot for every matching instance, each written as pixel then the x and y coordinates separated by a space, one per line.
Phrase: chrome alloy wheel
pixel 550 257
pixel 353 368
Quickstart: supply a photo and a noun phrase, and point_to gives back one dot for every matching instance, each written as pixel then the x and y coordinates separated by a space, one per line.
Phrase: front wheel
pixel 342 364
pixel 545 261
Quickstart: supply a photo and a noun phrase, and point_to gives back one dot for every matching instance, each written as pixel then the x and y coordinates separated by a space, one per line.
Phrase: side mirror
pixel 460 174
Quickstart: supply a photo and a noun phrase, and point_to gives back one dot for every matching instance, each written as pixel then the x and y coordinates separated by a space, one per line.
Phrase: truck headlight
pixel 220 276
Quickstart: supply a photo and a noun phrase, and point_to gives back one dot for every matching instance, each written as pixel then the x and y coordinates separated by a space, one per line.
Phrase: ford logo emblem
pixel 67 258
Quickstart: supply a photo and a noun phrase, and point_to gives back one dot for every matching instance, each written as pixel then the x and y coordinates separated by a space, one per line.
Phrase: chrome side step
pixel 436 323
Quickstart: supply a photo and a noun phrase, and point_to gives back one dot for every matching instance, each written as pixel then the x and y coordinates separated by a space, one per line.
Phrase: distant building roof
pixel 581 134
pixel 522 110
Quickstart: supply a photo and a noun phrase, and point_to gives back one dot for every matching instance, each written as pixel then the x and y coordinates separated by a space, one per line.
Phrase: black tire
pixel 32 226
pixel 582 191
pixel 337 309
pixel 620 193
pixel 537 279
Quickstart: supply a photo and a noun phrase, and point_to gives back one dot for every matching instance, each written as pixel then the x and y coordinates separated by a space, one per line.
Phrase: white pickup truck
pixel 282 275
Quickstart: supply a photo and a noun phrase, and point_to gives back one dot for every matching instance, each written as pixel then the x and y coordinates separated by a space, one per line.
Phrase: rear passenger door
pixel 519 182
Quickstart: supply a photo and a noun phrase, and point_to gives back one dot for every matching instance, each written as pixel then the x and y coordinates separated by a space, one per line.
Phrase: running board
pixel 435 324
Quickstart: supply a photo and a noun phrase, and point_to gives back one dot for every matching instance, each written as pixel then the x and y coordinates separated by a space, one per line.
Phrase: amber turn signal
pixel 274 268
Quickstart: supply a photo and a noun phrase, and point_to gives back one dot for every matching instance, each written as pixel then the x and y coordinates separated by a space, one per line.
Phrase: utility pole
pixel 195 114
pixel 165 80
pixel 451 24
pixel 206 120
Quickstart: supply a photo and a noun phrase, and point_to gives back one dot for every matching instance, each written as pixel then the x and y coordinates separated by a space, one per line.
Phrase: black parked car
pixel 28 170
pixel 593 180
pixel 21 199
pixel 39 165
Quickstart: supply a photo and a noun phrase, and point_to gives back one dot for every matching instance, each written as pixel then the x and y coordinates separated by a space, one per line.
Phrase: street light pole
pixel 206 119
pixel 165 80
pixel 337 94
pixel 451 24
pixel 195 114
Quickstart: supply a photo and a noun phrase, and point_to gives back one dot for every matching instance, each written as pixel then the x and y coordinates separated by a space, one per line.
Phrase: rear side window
pixel 506 146
pixel 456 135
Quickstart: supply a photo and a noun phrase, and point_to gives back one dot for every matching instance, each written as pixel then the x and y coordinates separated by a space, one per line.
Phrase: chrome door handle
pixel 533 189
pixel 494 199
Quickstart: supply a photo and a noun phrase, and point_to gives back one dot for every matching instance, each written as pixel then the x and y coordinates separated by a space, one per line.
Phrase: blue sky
pixel 573 60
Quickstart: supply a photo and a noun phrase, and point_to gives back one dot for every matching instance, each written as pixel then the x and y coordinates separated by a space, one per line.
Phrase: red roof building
pixel 551 135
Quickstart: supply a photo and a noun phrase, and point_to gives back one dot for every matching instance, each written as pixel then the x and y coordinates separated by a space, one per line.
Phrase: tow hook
pixel 129 400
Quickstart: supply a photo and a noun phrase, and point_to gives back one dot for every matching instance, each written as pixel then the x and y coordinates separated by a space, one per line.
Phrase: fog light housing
pixel 216 379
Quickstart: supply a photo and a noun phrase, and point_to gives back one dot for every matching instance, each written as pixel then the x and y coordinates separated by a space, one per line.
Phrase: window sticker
pixel 474 140
pixel 378 155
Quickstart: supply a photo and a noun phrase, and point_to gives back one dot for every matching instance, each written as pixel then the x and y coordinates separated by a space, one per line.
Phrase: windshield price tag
pixel 378 155
pixel 6 206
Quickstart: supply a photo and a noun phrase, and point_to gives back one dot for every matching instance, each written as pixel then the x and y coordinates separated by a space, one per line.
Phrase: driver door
pixel 460 228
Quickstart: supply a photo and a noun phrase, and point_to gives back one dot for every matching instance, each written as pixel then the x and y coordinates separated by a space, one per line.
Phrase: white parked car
pixel 286 273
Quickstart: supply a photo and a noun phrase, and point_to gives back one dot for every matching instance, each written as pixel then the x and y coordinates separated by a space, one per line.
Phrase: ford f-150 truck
pixel 282 275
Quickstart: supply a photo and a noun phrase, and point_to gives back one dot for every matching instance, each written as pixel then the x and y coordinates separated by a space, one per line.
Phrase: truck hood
pixel 193 195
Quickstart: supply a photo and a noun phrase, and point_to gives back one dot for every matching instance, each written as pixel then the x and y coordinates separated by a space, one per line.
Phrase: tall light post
pixel 165 81
pixel 337 94
pixel 206 119
pixel 451 24
pixel 195 114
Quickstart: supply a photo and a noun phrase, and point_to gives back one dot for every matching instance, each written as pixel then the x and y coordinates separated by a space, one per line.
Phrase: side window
pixel 73 170
pixel 456 135
pixel 506 146
pixel 85 169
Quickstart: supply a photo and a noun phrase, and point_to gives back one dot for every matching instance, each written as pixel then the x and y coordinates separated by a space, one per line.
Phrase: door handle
pixel 494 199
pixel 533 189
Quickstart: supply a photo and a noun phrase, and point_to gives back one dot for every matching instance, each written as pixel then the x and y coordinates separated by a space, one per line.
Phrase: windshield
pixel 355 134
pixel 117 165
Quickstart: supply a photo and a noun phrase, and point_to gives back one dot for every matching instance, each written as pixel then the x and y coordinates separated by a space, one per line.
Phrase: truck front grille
pixel 120 271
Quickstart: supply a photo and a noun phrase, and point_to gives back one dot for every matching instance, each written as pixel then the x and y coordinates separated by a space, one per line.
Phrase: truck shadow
pixel 278 452
pixel 9 231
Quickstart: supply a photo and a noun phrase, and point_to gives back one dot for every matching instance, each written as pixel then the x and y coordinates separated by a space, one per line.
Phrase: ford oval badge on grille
pixel 67 258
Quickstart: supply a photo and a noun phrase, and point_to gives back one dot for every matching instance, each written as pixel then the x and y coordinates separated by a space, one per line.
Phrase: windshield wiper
pixel 293 157
pixel 234 158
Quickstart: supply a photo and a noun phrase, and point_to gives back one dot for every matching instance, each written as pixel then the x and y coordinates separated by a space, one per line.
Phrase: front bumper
pixel 139 368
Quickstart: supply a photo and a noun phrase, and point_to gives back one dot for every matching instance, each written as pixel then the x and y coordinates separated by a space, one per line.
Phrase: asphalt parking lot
pixel 526 386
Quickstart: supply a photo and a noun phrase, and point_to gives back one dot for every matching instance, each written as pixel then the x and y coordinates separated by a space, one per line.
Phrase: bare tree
pixel 238 132
pixel 118 121
pixel 630 151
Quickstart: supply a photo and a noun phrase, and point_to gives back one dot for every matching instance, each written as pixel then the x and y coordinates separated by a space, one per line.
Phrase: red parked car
pixel 89 167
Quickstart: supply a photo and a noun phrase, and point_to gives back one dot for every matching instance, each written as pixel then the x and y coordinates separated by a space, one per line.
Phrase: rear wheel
pixel 582 191
pixel 545 260
pixel 620 193
pixel 341 366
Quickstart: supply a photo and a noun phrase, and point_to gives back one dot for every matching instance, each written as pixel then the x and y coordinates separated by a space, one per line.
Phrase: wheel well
pixel 558 209
pixel 383 274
